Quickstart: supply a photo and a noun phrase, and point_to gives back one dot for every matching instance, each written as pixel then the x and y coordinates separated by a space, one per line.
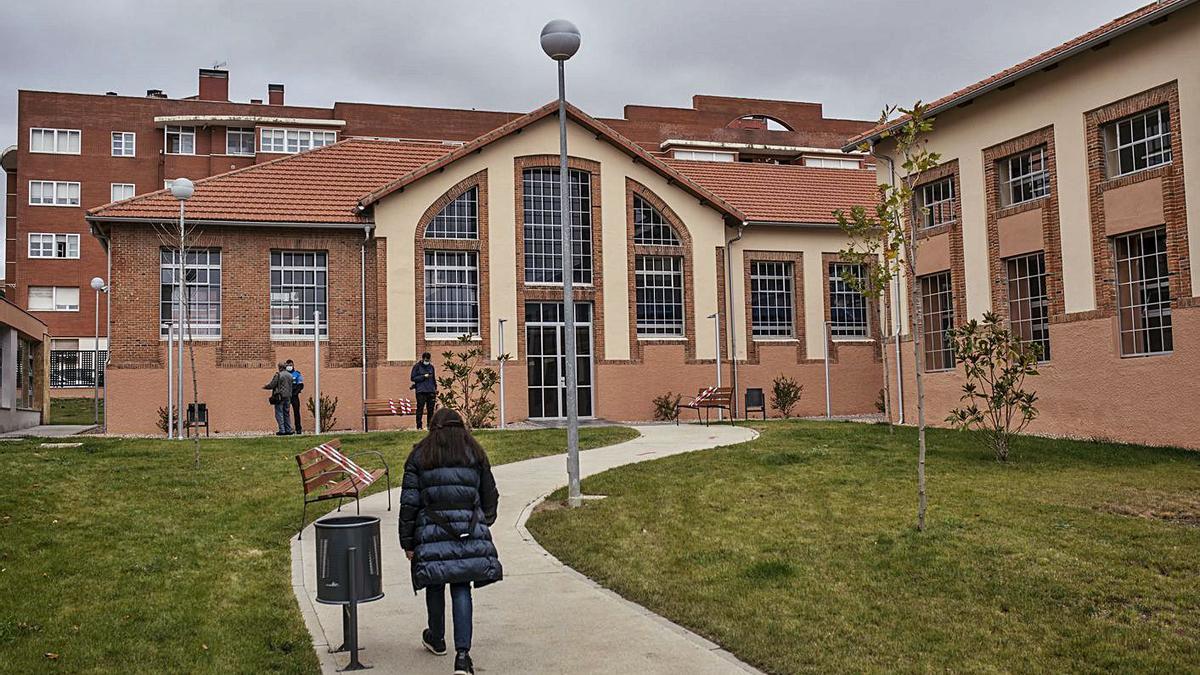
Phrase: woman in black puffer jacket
pixel 448 499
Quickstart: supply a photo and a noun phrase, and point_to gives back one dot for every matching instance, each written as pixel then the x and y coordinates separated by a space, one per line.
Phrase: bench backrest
pixel 719 396
pixel 325 465
pixel 389 406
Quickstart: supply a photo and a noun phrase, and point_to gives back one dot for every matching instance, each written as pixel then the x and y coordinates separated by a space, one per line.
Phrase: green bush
pixel 666 406
pixel 785 394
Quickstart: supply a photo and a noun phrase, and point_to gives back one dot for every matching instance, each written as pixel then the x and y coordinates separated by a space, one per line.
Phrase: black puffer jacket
pixel 444 518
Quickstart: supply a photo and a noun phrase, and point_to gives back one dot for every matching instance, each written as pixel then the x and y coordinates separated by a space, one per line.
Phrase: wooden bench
pixel 326 473
pixel 707 399
pixel 388 407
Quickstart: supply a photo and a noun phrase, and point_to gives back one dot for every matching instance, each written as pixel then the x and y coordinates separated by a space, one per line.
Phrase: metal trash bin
pixel 349 571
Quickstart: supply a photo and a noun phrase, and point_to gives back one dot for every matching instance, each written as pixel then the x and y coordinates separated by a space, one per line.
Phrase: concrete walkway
pixel 50 431
pixel 544 617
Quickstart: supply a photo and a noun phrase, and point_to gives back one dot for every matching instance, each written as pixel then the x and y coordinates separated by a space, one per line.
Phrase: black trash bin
pixel 335 537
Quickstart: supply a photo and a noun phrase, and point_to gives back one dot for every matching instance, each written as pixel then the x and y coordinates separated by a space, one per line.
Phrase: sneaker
pixel 462 664
pixel 435 646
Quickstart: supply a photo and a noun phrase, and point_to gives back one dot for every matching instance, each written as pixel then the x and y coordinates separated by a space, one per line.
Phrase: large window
pixel 1143 292
pixel 1028 307
pixel 50 245
pixel 1023 177
pixel 119 191
pixel 649 226
pixel 659 288
pixel 203 291
pixel 937 299
pixel 935 203
pixel 299 287
pixel 53 298
pixel 704 155
pixel 771 308
pixel 56 141
pixel 180 140
pixel 27 373
pixel 1138 142
pixel 847 307
pixel 239 141
pixel 458 220
pixel 124 144
pixel 543 226
pixel 451 294
pixel 53 193
pixel 832 163
pixel 295 140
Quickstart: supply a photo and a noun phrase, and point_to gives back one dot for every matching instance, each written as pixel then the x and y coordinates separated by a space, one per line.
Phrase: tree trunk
pixel 887 389
pixel 917 321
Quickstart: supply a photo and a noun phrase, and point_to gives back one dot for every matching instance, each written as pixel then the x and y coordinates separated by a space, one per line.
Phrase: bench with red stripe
pixel 327 473
pixel 388 407
pixel 707 399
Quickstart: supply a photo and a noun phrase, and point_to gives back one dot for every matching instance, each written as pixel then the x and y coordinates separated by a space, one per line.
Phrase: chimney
pixel 214 85
pixel 275 94
pixel 155 93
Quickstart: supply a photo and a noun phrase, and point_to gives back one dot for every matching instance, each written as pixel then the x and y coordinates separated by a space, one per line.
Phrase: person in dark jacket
pixel 447 501
pixel 297 387
pixel 280 387
pixel 425 384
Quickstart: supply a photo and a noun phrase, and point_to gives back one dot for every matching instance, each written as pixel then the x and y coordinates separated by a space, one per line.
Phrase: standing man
pixel 425 385
pixel 297 387
pixel 280 387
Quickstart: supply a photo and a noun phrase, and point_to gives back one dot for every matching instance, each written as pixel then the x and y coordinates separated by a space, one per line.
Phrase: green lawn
pixel 117 556
pixel 74 411
pixel 798 552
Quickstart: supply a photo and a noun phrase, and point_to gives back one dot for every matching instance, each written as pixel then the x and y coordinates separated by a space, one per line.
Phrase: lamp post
pixel 181 189
pixel 560 41
pixel 99 286
pixel 503 424
pixel 716 317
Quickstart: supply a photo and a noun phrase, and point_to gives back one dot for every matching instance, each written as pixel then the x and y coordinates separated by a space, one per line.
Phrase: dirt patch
pixel 550 505
pixel 1176 508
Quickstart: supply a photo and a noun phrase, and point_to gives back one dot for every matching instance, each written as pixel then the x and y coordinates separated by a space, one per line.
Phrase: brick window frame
pixel 753 345
pixel 525 292
pixel 874 321
pixel 958 272
pixel 478 181
pixel 634 188
pixel 1174 206
pixel 1051 232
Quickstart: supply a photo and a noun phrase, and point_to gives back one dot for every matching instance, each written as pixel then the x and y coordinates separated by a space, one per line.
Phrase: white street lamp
pixel 181 189
pixel 560 41
pixel 99 286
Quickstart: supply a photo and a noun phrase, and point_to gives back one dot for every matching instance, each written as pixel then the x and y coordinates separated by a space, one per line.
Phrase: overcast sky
pixel 851 55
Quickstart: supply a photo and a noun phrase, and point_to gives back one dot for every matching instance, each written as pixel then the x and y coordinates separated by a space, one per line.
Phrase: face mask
pixel 290 369
pixel 426 362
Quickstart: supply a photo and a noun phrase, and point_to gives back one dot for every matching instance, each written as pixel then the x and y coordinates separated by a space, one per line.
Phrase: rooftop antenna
pixel 218 65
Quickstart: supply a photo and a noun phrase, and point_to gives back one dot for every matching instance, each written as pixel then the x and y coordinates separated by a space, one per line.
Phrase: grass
pixel 798 552
pixel 118 556
pixel 74 411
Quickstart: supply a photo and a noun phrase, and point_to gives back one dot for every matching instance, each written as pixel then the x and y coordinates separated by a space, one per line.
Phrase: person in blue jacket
pixel 425 384
pixel 297 387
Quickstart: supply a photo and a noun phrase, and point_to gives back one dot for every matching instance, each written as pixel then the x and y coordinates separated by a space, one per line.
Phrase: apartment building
pixel 1067 203
pixel 79 151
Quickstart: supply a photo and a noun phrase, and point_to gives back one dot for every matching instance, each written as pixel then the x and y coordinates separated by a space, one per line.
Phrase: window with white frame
pixel 543 226
pixel 658 281
pixel 53 193
pixel 832 162
pixel 937 297
pixel 54 141
pixel 50 245
pixel 202 291
pixel 53 299
pixel 650 228
pixel 291 141
pixel 124 144
pixel 180 140
pixel 1023 177
pixel 299 287
pixel 1143 292
pixel 704 155
pixel 771 303
pixel 119 191
pixel 847 306
pixel 451 294
pixel 458 220
pixel 239 141
pixel 1138 142
pixel 935 203
pixel 1028 306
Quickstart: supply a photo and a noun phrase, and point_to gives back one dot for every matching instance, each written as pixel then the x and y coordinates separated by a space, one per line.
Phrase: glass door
pixel 544 347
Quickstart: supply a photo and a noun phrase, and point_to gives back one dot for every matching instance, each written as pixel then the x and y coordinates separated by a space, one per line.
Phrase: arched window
pixel 760 123
pixel 459 220
pixel 649 226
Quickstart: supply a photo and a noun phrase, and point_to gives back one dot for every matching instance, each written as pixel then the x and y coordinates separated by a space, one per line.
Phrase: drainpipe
pixel 732 330
pixel 107 325
pixel 895 303
pixel 362 297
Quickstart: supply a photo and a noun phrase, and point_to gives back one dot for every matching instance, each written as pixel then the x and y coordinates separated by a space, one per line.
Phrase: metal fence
pixel 75 368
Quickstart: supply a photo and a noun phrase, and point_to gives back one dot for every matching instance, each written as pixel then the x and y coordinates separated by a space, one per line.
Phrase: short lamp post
pixel 99 286
pixel 181 189
pixel 716 317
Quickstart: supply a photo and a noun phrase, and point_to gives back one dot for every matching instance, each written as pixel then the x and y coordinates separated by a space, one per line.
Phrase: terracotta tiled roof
pixel 783 193
pixel 1093 37
pixel 319 186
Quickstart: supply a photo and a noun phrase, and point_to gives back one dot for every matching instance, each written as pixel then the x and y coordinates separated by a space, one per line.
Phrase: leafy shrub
pixel 328 411
pixel 165 423
pixel 880 403
pixel 469 385
pixel 666 406
pixel 785 394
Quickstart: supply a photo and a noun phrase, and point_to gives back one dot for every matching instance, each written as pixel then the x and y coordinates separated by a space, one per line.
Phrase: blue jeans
pixel 283 417
pixel 460 601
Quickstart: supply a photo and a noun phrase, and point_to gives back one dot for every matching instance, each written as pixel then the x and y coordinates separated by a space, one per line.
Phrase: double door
pixel 545 353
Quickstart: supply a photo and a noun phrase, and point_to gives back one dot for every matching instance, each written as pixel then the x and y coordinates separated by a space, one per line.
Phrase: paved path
pixel 544 617
pixel 50 431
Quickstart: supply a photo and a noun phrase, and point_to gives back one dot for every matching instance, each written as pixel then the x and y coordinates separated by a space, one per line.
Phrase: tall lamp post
pixel 99 286
pixel 181 189
pixel 560 41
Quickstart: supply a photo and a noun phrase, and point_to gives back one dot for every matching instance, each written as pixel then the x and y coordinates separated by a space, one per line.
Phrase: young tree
pixel 468 385
pixel 181 239
pixel 882 240
pixel 996 363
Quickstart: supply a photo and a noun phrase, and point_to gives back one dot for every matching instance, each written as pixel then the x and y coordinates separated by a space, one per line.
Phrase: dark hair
pixel 290 362
pixel 424 355
pixel 449 443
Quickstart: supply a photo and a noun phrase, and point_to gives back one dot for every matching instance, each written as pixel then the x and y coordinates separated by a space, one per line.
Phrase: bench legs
pixel 303 518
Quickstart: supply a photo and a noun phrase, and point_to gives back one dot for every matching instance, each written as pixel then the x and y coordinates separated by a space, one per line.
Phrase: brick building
pixel 1066 202
pixel 79 151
